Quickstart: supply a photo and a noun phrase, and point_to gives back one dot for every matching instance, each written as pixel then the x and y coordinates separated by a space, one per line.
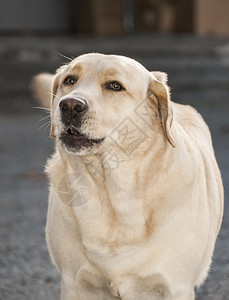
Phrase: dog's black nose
pixel 73 106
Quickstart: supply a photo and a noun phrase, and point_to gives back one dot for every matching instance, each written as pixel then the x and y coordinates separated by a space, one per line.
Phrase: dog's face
pixel 96 93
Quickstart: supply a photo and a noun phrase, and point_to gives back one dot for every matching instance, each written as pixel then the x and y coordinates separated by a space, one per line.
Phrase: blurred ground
pixel 198 74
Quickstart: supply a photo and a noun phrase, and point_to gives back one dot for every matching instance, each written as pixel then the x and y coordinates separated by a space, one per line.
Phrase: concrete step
pixel 197 68
pixel 36 48
pixel 182 76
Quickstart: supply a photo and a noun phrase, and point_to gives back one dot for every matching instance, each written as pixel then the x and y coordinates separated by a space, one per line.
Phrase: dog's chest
pixel 110 223
pixel 110 217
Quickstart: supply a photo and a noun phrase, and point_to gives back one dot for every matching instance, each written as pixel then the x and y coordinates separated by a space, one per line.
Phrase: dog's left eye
pixel 69 80
pixel 115 86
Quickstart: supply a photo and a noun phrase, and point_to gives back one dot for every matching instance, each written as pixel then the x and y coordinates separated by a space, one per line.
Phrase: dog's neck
pixel 119 195
pixel 103 171
pixel 108 171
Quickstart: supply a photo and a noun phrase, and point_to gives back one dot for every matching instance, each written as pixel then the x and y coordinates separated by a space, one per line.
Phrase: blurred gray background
pixel 187 39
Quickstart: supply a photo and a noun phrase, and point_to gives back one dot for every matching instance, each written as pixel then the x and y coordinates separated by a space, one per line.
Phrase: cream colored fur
pixel 147 224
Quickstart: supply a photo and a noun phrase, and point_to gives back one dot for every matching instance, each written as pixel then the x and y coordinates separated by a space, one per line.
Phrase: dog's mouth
pixel 73 138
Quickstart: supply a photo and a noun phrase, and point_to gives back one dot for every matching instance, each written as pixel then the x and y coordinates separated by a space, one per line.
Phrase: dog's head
pixel 95 94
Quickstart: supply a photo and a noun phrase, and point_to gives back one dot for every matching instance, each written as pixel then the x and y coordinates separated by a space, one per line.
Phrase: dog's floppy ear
pixel 160 76
pixel 158 89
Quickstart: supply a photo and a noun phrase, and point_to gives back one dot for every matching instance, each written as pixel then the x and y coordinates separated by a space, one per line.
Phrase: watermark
pixel 128 136
pixel 74 189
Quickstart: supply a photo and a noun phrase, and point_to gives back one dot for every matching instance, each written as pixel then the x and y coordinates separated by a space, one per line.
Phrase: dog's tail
pixel 41 86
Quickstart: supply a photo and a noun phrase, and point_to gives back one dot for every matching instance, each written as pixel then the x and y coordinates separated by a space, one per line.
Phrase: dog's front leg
pixel 68 292
pixel 86 286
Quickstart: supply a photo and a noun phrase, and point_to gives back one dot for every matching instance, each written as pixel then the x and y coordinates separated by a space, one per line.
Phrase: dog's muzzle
pixel 72 110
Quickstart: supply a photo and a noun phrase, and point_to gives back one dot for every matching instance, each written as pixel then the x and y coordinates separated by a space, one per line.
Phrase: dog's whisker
pixel 54 95
pixel 45 125
pixel 42 119
pixel 64 56
pixel 42 108
pixel 48 138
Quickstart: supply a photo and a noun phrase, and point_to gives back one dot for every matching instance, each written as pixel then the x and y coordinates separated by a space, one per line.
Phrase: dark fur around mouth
pixel 74 139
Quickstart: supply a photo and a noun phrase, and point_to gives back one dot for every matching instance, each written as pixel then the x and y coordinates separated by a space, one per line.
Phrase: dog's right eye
pixel 114 86
pixel 70 80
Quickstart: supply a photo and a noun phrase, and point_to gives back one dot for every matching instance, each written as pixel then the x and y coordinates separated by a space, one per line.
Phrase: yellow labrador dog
pixel 136 197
